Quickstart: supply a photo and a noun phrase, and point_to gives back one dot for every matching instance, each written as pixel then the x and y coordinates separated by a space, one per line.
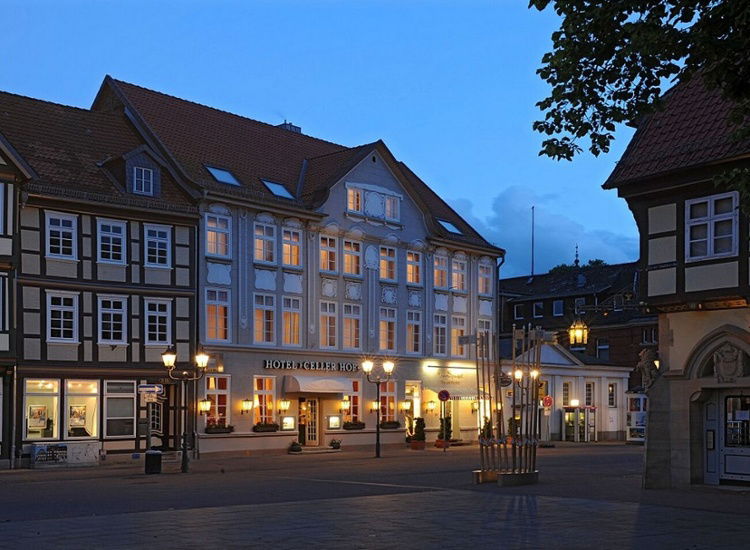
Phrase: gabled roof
pixel 556 355
pixel 691 129
pixel 322 172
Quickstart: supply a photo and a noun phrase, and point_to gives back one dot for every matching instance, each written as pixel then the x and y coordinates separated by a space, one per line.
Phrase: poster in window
pixel 77 416
pixel 37 416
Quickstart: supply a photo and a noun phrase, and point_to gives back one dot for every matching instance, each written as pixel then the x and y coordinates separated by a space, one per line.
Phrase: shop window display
pixel 41 398
pixel 82 408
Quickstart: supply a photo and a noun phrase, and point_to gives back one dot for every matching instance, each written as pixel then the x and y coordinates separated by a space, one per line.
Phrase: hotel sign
pixel 340 366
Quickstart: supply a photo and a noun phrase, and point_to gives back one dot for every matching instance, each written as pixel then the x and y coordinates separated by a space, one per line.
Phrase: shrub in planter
pixel 417 440
pixel 219 426
pixel 295 447
pixel 356 425
pixel 335 444
pixel 266 427
pixel 390 425
pixel 444 435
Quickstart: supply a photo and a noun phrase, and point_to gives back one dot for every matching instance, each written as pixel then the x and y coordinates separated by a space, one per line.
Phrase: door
pixel 591 424
pixel 311 437
pixel 711 440
pixel 734 452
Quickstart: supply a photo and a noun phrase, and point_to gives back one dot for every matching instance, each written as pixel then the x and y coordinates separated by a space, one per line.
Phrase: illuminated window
pixel 264 318
pixel 291 240
pixel 413 332
pixel 81 409
pixel 218 236
pixel 355 401
pixel 352 320
pixel 458 329
pixel 292 313
pixel 392 208
pixel 458 275
pixel 387 263
pixel 354 200
pixel 439 340
pixel 217 392
pixel 217 314
pixel 41 404
pixel 485 279
pixel 440 271
pixel 265 395
pixel 414 268
pixel 388 401
pixel 265 243
pixel 612 394
pixel 387 329
pixel 328 247
pixel 327 324
pixel 352 257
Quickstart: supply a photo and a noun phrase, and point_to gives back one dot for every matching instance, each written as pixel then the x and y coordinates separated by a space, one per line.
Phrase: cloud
pixel 556 233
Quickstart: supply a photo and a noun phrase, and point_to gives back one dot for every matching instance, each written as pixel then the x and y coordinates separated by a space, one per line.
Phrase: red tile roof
pixel 691 130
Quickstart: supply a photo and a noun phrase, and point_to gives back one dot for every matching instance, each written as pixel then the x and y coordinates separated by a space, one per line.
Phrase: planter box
pixel 390 425
pixel 416 445
pixel 266 428
pixel 354 425
pixel 219 429
pixel 442 443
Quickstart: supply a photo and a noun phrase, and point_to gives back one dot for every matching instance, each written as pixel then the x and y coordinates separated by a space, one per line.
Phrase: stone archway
pixel 721 354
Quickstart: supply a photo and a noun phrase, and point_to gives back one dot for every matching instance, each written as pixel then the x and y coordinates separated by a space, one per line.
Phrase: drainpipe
pixel 13 420
pixel 498 311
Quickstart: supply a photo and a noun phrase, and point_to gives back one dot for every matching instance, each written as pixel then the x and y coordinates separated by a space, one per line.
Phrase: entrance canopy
pixel 297 383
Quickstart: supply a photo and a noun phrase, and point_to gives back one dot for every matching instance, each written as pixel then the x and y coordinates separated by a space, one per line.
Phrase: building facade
pixel 694 252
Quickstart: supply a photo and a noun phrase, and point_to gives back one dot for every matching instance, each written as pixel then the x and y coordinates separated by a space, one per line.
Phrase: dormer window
pixel 354 200
pixel 450 227
pixel 143 181
pixel 277 189
pixel 223 176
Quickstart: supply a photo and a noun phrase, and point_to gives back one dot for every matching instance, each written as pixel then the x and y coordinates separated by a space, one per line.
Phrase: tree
pixel 566 268
pixel 611 59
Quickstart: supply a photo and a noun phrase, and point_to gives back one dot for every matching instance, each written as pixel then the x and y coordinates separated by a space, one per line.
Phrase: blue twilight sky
pixel 449 86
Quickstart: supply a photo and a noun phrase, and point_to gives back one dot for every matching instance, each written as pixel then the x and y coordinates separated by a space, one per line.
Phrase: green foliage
pixel 567 268
pixel 487 428
pixel 446 430
pixel 610 60
pixel 419 434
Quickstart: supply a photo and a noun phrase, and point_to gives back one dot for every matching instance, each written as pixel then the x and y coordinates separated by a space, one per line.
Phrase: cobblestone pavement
pixel 588 498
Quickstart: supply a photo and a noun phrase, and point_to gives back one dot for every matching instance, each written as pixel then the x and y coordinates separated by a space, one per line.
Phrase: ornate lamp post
pixel 388 367
pixel 169 358
pixel 578 333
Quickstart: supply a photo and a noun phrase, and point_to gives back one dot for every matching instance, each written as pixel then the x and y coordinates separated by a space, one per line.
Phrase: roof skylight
pixel 450 227
pixel 223 176
pixel 277 189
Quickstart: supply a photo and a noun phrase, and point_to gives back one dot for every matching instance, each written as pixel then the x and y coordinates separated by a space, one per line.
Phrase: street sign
pixel 466 340
pixel 505 380
pixel 547 401
pixel 547 411
pixel 151 397
pixel 156 389
pixel 443 395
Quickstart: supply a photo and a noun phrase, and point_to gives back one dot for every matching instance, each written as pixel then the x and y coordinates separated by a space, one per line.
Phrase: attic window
pixel 143 181
pixel 277 189
pixel 223 176
pixel 450 227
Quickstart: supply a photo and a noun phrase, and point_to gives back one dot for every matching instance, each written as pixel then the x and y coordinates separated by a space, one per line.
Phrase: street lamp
pixel 388 367
pixel 578 333
pixel 169 358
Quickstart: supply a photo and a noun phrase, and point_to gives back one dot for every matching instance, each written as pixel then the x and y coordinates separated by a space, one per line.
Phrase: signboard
pixel 156 389
pixel 505 380
pixel 151 397
pixel 547 401
pixel 467 340
pixel 444 395
pixel 49 454
pixel 340 366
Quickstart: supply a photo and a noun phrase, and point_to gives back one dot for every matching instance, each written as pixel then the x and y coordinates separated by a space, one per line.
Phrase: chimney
pixel 289 126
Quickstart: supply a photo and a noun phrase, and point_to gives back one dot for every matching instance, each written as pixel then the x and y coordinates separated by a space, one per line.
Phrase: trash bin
pixel 153 461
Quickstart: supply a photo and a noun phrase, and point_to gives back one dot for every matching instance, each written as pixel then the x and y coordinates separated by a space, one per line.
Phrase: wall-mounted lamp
pixel 284 405
pixel 204 406
pixel 344 406
pixel 374 405
pixel 405 406
pixel 574 402
pixel 431 405
pixel 474 407
pixel 518 375
pixel 246 406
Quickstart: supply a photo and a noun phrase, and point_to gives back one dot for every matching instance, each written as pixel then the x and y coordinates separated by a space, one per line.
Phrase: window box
pixel 219 429
pixel 265 427
pixel 390 425
pixel 357 425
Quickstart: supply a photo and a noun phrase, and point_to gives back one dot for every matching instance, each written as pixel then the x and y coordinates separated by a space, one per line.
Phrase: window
pixel 158 245
pixel 590 394
pixel 485 279
pixel 388 401
pixel 387 263
pixel 218 236
pixel 612 394
pixel 413 393
pixel 82 409
pixel 387 329
pixel 458 329
pixel 557 308
pixel 278 189
pixel 62 317
pixel 158 322
pixel 222 176
pixel 265 243
pixel 41 404
pixel 485 326
pixel 327 324
pixel 440 271
pixel 291 240
pixel 392 208
pixel 328 253
pixel 458 275
pixel 602 348
pixel 538 309
pixel 292 313
pixel 566 394
pixel 649 335
pixel 265 332
pixel 352 321
pixel 355 401
pixel 143 180
pixel 217 392
pixel 711 227
pixel 450 227
pixel 217 314
pixel 111 241
pixel 354 200
pixel 62 235
pixel 113 313
pixel 119 408
pixel 265 394
pixel 413 332
pixel 352 258
pixel 414 268
pixel 737 426
pixel 440 328
pixel 518 311
pixel 578 303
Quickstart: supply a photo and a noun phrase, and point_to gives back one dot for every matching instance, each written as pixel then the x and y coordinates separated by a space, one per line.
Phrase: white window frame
pixel 73 230
pixel 100 321
pixel 354 197
pixel 73 308
pixel 516 309
pixel 458 275
pixel 612 395
pixel 139 176
pixel 440 264
pixel 227 304
pixel 288 244
pixel 71 396
pixel 387 316
pixel 414 267
pixel 148 314
pixel 389 395
pixel 414 323
pixel 484 279
pixel 558 308
pixel 589 394
pixel 534 307
pixel 264 303
pixel 218 231
pixel 392 206
pixel 329 252
pixel 388 263
pixel 133 396
pixel 263 243
pixel 649 335
pixel 440 334
pixel 485 325
pixel 577 303
pixel 458 329
pixel 602 346
pixel 353 314
pixel 270 417
pixel 208 392
pixel 291 305
pixel 328 314
pixel 352 257
pixel 100 233
pixel 566 387
pixel 157 239
pixel 710 220
pixel 356 410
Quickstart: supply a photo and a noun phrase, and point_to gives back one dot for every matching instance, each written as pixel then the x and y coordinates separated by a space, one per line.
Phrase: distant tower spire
pixel 576 262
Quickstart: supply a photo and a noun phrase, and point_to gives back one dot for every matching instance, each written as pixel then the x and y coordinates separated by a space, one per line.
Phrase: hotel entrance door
pixel 311 434
pixel 579 424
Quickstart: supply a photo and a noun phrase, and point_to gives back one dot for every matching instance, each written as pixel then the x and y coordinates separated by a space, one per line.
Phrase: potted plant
pixel 354 425
pixel 295 447
pixel 266 427
pixel 513 429
pixel 390 424
pixel 417 440
pixel 218 426
pixel 335 444
pixel 443 440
